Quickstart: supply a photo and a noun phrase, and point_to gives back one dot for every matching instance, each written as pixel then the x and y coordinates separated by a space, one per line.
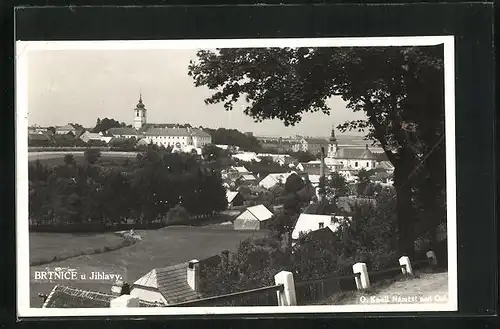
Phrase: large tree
pixel 400 89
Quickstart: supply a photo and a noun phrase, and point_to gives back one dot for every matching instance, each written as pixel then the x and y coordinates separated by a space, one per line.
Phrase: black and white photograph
pixel 243 176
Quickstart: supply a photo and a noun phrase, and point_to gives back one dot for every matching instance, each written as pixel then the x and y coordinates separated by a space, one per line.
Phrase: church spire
pixel 332 136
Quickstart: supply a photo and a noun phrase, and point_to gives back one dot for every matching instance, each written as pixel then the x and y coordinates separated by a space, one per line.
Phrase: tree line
pixel 144 189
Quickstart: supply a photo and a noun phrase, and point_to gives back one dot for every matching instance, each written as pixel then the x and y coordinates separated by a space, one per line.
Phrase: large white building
pixel 345 158
pixel 177 136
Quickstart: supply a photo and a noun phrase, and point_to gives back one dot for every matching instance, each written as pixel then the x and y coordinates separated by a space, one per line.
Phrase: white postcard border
pixel 23 48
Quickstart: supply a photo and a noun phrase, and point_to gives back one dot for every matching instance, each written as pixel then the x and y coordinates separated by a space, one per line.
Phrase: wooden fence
pixel 309 291
pixel 266 296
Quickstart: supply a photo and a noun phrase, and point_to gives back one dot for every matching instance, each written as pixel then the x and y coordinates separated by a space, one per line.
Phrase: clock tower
pixel 139 114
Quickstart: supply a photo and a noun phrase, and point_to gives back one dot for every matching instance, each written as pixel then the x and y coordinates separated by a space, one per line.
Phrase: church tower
pixel 139 114
pixel 332 145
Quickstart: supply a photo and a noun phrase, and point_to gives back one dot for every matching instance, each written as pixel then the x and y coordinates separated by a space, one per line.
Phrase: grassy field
pixel 51 160
pixel 46 247
pixel 158 248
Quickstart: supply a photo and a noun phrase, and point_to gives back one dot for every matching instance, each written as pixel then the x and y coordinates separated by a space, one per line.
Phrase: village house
pixel 246 156
pixel 253 218
pixel 272 180
pixel 234 199
pixel 68 297
pixel 307 223
pixel 87 136
pixel 67 129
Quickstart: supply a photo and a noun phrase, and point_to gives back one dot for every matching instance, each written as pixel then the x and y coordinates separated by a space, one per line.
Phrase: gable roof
pixel 310 222
pixel 248 177
pixel 260 212
pixel 355 153
pixel 122 131
pixel 277 177
pixel 171 282
pixel 68 297
pixel 230 195
pixel 92 136
pixel 66 127
pixel 240 169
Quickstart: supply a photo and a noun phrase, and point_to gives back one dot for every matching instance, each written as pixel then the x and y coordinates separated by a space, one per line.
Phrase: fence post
pixel 431 257
pixel 363 281
pixel 287 296
pixel 404 261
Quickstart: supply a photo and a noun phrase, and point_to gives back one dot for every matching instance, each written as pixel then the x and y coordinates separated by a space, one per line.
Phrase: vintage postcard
pixel 255 176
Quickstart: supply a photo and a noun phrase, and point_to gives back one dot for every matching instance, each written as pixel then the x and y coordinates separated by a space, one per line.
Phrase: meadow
pixel 48 247
pixel 158 248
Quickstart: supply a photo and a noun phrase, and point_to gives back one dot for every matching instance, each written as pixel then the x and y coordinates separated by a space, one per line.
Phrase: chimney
pixel 193 274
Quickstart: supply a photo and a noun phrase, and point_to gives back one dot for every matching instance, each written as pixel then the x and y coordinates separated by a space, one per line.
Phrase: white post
pixel 404 261
pixel 124 301
pixel 287 296
pixel 431 256
pixel 363 281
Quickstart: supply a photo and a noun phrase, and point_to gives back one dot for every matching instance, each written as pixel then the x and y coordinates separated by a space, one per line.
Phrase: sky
pixel 78 86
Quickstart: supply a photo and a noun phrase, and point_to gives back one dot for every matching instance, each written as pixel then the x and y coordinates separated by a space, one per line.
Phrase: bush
pixel 177 215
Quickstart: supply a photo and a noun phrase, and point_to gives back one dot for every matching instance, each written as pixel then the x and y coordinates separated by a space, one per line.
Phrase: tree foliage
pixel 144 190
pixel 396 87
pixel 107 123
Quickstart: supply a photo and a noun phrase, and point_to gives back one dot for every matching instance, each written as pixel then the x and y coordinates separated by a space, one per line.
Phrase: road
pixel 425 288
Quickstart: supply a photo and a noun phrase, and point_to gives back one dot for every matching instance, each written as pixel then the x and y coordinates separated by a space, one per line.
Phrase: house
pixel 325 233
pixel 234 199
pixel 122 132
pixel 246 179
pixel 311 167
pixel 272 180
pixel 87 136
pixel 169 285
pixel 68 297
pixel 253 218
pixel 67 129
pixel 246 156
pixel 307 223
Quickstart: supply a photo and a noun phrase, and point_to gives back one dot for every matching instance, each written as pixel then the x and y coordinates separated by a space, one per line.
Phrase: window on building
pixel 355 164
pixel 321 225
pixel 368 164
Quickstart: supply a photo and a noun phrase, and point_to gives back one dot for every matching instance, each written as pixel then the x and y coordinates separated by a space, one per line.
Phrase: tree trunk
pixel 405 211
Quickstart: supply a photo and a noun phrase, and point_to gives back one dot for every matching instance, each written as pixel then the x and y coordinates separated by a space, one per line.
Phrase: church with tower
pixel 348 158
pixel 179 137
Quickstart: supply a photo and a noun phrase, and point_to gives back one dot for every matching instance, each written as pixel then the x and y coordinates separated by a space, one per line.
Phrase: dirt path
pixel 424 288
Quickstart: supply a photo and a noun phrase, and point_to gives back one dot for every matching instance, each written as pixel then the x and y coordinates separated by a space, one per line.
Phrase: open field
pixel 56 158
pixel 158 248
pixel 44 247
